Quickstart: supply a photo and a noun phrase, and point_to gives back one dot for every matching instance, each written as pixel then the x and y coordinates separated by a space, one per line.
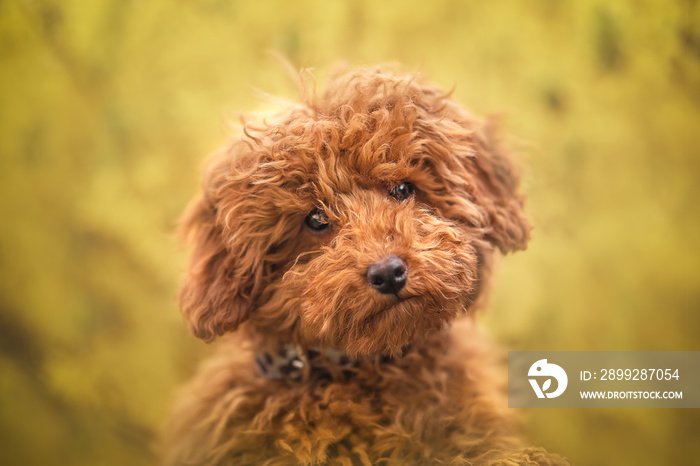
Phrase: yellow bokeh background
pixel 108 108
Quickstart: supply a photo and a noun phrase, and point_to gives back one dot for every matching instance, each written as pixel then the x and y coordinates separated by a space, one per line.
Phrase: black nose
pixel 388 275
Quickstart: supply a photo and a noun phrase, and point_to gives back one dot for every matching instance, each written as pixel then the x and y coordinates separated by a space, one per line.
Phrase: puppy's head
pixel 361 220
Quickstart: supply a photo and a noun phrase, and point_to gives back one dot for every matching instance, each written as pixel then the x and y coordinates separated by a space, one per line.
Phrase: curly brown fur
pixel 417 392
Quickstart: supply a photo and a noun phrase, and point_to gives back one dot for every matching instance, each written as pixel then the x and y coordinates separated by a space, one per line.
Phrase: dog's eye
pixel 317 220
pixel 401 191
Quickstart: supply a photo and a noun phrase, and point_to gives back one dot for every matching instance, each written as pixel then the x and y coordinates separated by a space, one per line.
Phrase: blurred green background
pixel 108 108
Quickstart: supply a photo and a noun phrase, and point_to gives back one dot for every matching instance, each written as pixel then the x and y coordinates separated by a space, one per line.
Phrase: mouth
pixel 399 298
pixel 393 325
pixel 394 302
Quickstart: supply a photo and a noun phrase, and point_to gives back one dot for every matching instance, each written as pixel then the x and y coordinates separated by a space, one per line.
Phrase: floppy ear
pixel 215 297
pixel 495 190
pixel 491 181
pixel 474 179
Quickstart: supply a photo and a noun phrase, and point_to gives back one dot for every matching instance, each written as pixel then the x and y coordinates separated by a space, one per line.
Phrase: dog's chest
pixel 377 408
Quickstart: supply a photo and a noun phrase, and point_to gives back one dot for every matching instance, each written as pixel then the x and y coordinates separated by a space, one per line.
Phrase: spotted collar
pixel 295 363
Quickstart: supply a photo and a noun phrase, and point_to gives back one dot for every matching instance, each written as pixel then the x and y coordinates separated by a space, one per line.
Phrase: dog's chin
pixel 387 328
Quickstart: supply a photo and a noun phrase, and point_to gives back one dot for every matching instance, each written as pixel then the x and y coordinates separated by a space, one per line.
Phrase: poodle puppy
pixel 334 246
